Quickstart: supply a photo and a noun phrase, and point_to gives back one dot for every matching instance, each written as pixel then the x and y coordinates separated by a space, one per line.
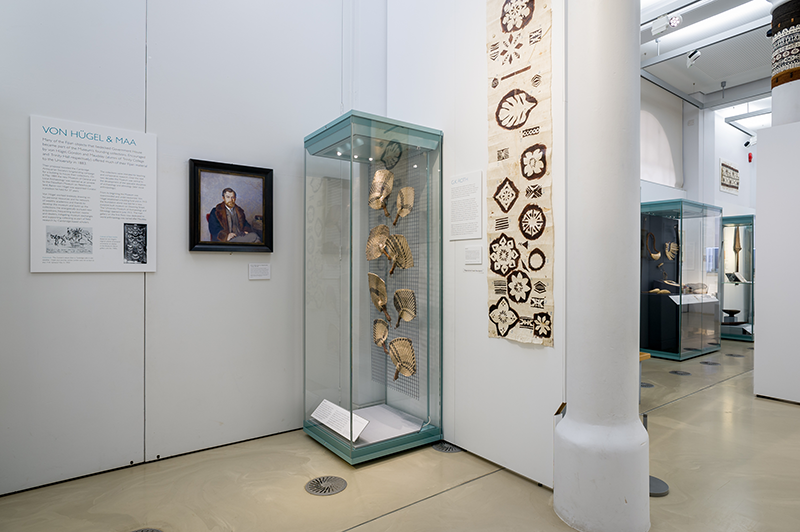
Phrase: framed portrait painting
pixel 230 207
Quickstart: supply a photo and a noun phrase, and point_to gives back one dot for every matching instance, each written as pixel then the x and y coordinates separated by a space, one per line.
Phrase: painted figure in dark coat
pixel 227 221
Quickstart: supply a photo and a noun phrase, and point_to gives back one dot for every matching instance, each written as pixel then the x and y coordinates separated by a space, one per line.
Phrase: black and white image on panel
pixel 70 240
pixel 135 246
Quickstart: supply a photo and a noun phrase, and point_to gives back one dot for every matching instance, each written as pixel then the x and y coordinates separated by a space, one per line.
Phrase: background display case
pixel 373 286
pixel 738 277
pixel 680 281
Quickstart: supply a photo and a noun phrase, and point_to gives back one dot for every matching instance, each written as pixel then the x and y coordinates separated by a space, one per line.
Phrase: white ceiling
pixel 731 38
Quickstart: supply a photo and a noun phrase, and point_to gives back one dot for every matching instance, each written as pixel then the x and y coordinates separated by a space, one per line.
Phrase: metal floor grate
pixel 147 530
pixel 734 355
pixel 445 447
pixel 710 363
pixel 326 485
pixel 646 385
pixel 679 372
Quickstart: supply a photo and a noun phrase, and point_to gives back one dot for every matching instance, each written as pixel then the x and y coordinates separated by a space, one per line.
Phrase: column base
pixel 601 476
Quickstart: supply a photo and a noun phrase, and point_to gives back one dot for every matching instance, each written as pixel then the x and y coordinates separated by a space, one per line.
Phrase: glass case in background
pixel 373 286
pixel 738 269
pixel 680 281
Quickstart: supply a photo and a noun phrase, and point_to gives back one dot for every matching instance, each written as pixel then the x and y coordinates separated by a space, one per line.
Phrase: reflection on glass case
pixel 738 268
pixel 373 286
pixel 680 281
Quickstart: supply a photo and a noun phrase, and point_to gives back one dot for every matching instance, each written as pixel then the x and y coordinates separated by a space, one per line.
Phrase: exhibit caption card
pixel 93 198
pixel 337 419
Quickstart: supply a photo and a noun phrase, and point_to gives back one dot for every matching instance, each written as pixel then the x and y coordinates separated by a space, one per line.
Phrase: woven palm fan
pixel 379 190
pixel 380 332
pixel 405 202
pixel 376 242
pixel 377 291
pixel 402 354
pixel 406 304
pixel 399 252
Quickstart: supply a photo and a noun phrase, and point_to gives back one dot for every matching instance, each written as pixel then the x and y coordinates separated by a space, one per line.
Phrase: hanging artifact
pixel 405 302
pixel 377 291
pixel 655 255
pixel 376 242
pixel 392 154
pixel 399 252
pixel 380 332
pixel 671 250
pixel 405 202
pixel 380 189
pixel 402 354
pixel 737 246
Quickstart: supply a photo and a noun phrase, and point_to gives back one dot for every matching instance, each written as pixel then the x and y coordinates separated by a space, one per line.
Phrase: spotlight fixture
pixel 692 58
pixel 752 142
pixel 675 20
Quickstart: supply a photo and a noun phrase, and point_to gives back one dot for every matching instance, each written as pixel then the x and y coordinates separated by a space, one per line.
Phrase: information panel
pixel 93 198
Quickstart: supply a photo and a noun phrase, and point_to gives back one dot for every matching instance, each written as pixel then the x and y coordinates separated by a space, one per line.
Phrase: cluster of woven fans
pixel 395 248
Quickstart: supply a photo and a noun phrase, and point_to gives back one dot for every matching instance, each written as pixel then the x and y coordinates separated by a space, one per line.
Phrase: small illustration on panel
pixel 494 50
pixel 392 154
pixel 135 243
pixel 511 46
pixel 532 221
pixel 531 131
pixel 503 255
pixel 538 302
pixel 542 325
pixel 502 154
pixel 503 316
pixel 501 224
pixel 533 161
pixel 500 287
pixel 514 108
pixel 516 15
pixel 72 240
pixel 519 285
pixel 535 36
pixel 506 194
pixel 536 80
pixel 539 287
pixel 536 260
pixel 533 191
pixel 526 322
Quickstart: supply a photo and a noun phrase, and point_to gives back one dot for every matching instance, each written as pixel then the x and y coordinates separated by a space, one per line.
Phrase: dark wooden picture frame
pixel 230 207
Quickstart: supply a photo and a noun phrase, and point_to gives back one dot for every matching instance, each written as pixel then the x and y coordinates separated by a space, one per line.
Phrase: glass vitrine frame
pixel 679 308
pixel 738 284
pixel 343 364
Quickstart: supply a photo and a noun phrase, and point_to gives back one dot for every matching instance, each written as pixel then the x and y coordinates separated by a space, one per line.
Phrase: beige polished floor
pixel 732 462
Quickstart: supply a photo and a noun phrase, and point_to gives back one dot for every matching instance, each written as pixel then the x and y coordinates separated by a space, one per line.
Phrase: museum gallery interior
pixel 399 265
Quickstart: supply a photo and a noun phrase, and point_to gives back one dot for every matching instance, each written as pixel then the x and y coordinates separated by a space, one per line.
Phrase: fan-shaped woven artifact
pixel 392 154
pixel 376 242
pixel 380 332
pixel 379 190
pixel 671 250
pixel 406 304
pixel 398 251
pixel 405 202
pixel 377 291
pixel 402 354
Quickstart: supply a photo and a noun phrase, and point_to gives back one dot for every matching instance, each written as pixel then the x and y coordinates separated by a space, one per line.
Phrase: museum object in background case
pixel 373 286
pixel 680 281
pixel 738 277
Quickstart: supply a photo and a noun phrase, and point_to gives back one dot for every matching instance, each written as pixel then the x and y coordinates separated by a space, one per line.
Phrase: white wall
pixel 87 358
pixel 729 146
pixel 661 136
pixel 777 365
pixel 499 396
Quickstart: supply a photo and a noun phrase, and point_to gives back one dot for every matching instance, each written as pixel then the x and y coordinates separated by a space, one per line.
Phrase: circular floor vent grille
pixel 734 355
pixel 444 447
pixel 679 372
pixel 326 485
pixel 646 385
pixel 709 363
pixel 147 530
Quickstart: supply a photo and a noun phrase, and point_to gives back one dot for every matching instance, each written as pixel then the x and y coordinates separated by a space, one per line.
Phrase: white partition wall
pixel 777 365
pixel 499 396
pixel 71 344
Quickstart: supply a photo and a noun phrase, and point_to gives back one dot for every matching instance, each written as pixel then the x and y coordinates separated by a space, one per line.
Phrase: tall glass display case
pixel 680 281
pixel 373 286
pixel 738 279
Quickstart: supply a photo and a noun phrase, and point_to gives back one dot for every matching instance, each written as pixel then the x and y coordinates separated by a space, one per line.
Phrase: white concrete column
pixel 601 475
pixel 786 78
